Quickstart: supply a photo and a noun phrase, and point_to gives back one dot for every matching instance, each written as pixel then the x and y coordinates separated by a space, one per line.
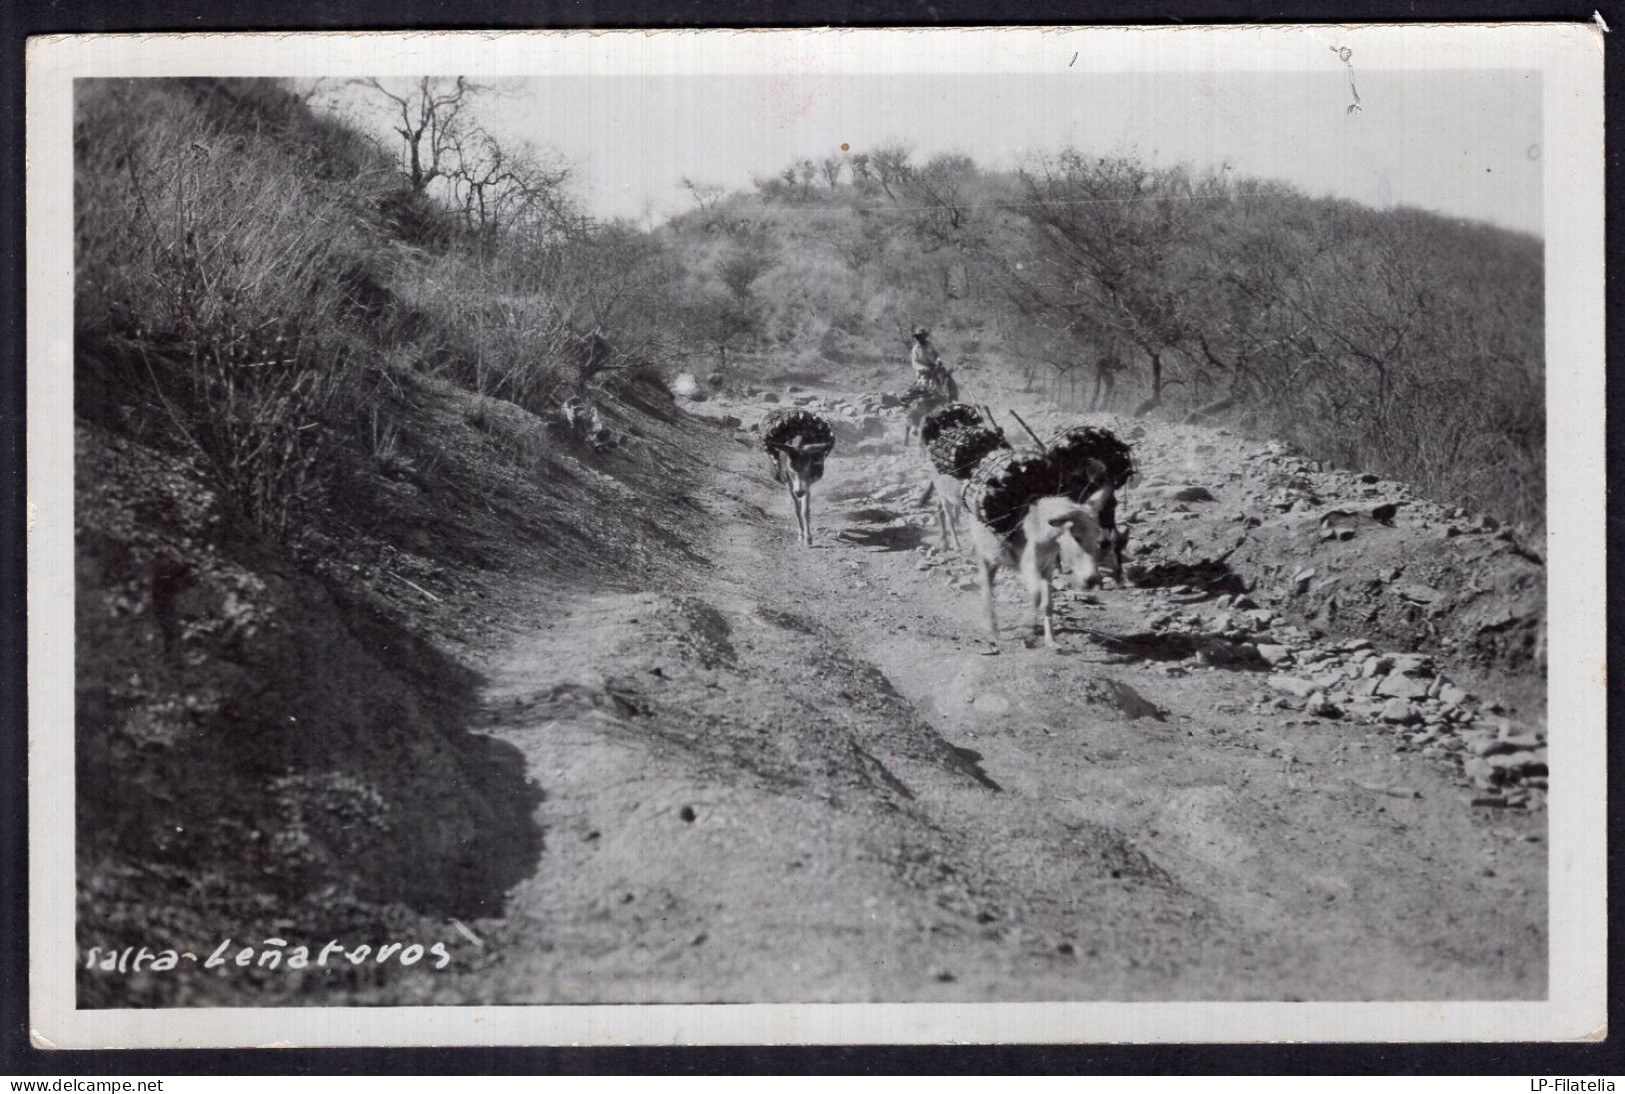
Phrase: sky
pixel 1465 143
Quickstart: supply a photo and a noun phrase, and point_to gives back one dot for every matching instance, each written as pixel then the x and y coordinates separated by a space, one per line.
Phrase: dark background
pixel 20 18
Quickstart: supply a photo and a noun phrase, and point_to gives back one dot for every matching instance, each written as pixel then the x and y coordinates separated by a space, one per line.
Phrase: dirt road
pixel 804 778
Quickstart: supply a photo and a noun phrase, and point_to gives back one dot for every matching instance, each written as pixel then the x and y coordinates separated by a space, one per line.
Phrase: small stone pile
pixel 1433 716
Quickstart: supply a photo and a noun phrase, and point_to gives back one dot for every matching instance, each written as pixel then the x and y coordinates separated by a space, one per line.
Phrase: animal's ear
pixel 1099 500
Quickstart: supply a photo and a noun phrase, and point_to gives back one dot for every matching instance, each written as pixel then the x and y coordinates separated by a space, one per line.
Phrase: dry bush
pixel 219 281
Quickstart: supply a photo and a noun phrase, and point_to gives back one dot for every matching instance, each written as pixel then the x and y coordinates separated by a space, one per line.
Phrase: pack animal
pixel 1056 535
pixel 798 441
pixel 955 437
pixel 800 464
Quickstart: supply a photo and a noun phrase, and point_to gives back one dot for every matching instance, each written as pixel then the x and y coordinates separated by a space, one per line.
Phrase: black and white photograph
pixel 558 526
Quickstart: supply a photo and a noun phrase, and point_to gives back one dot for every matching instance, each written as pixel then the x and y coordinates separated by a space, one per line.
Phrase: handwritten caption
pixel 272 953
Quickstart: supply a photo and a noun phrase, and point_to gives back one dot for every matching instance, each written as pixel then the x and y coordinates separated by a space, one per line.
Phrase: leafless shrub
pixel 234 275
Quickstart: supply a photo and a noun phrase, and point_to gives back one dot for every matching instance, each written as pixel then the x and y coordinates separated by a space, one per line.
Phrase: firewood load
pixel 1070 451
pixel 785 423
pixel 1005 483
pixel 944 418
pixel 956 452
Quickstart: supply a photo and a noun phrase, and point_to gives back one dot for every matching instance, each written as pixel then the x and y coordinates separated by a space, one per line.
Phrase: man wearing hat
pixel 930 374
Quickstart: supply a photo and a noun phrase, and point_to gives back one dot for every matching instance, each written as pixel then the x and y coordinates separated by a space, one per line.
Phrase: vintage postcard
pixel 843 536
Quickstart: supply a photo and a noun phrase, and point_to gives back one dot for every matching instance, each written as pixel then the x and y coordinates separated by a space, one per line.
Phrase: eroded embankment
pixel 273 737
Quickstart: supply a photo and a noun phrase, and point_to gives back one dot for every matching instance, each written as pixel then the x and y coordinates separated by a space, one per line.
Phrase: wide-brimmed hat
pixel 921 332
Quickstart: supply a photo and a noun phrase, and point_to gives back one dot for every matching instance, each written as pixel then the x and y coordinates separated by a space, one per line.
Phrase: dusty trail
pixel 803 779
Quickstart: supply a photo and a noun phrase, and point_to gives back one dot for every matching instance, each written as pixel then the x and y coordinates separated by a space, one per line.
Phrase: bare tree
pixel 830 168
pixel 498 189
pixel 1114 241
pixel 941 187
pixel 705 194
pixel 890 165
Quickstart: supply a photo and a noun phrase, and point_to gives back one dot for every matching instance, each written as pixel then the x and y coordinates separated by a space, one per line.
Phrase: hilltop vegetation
pixel 1397 341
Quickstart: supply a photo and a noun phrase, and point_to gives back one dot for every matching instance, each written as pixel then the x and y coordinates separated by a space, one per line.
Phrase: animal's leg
pixel 1046 611
pixel 950 525
pixel 988 569
pixel 795 505
pixel 806 518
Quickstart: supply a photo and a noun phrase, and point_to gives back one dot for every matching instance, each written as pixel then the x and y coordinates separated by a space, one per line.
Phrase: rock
pixel 1398 712
pixel 1364 687
pixel 1384 513
pixel 1191 493
pixel 1517 765
pixel 1412 664
pixel 1369 478
pixel 685 386
pixel 1273 653
pixel 1452 696
pixel 1376 667
pixel 769 397
pixel 1419 594
pixel 1398 686
pixel 1321 707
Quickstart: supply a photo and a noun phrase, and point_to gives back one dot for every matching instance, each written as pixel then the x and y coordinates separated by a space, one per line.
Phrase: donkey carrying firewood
pixel 798 441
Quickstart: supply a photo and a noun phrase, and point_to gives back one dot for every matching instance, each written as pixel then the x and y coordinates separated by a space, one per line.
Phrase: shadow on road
pixel 901 537
pixel 1209 649
pixel 1207 576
